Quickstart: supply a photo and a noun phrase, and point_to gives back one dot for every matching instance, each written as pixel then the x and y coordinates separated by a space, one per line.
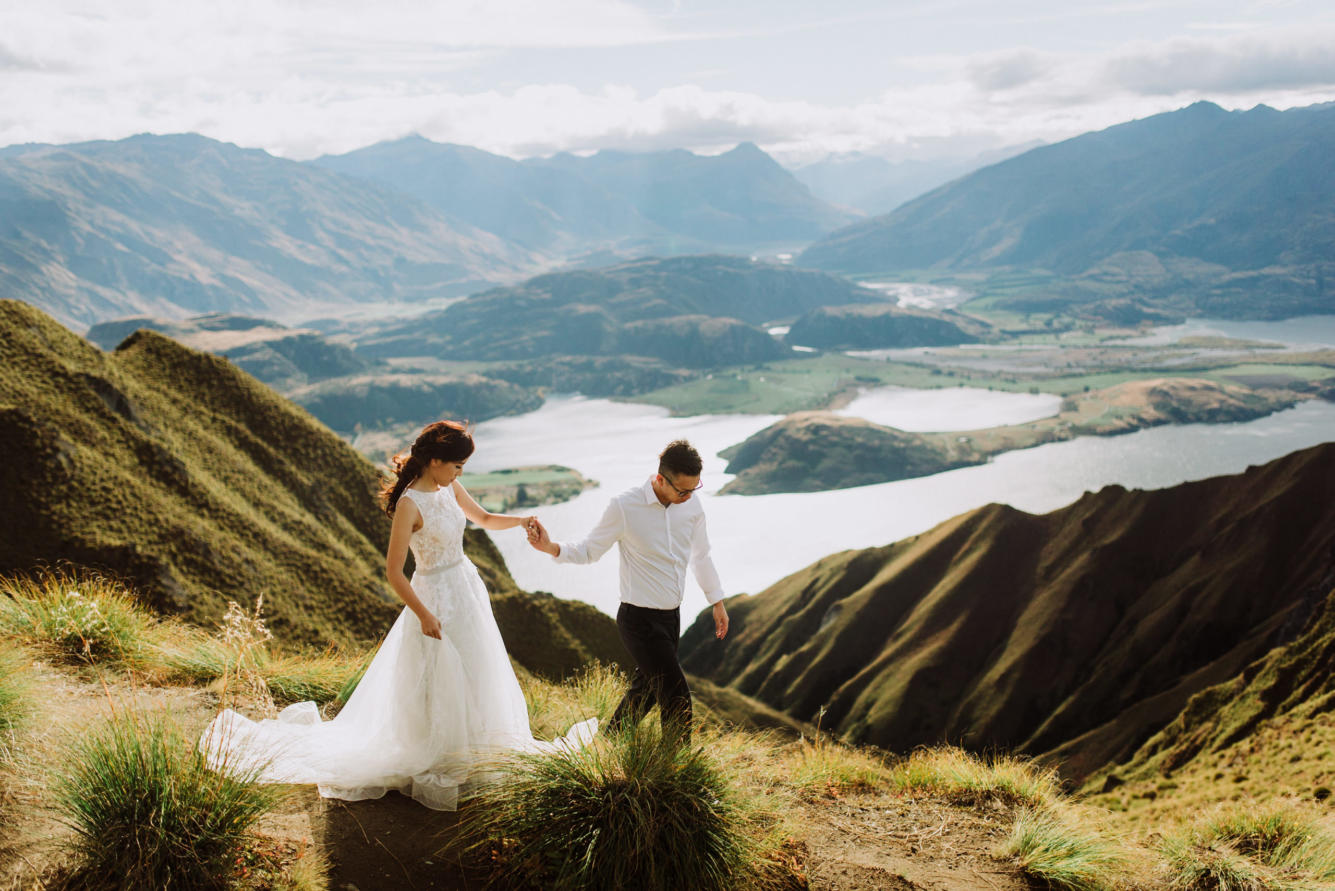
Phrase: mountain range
pixel 182 225
pixel 1201 209
pixel 1080 632
pixel 876 185
pixel 608 204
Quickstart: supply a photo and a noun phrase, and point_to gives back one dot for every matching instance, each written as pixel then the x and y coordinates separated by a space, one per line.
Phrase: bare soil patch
pixel 898 843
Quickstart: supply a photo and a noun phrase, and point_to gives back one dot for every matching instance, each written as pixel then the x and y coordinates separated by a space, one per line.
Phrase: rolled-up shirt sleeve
pixel 597 542
pixel 703 564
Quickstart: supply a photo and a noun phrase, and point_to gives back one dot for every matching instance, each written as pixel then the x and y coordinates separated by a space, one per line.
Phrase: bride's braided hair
pixel 446 440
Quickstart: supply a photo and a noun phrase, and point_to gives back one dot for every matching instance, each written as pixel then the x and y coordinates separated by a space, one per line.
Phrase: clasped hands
pixel 538 537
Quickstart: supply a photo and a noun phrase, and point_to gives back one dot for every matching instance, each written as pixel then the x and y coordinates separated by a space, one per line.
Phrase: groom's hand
pixel 538 537
pixel 720 620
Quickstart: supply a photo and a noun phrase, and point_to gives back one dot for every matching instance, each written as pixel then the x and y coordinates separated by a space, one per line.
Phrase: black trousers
pixel 651 636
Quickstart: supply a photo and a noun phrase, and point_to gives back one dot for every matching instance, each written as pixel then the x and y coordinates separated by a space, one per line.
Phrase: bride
pixel 439 699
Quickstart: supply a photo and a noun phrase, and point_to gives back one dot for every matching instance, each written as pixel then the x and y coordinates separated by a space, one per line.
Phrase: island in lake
pixel 818 450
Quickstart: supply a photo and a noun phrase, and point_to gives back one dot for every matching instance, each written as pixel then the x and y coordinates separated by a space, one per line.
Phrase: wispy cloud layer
pixel 526 77
pixel 1238 65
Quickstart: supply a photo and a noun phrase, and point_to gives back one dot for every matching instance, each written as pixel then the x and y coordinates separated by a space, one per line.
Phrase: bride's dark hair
pixel 446 440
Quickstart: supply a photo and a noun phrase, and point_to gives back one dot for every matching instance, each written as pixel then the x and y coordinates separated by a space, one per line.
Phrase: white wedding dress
pixel 428 717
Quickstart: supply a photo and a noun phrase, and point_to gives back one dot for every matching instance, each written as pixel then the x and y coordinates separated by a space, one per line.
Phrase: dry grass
pixel 968 779
pixel 1276 848
pixel 86 618
pixel 771 782
pixel 1056 847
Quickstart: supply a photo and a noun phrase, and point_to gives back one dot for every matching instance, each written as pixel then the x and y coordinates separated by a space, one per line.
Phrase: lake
pixel 759 539
pixel 952 408
pixel 1301 332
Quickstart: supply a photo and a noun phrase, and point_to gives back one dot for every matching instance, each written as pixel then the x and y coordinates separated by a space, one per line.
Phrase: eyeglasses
pixel 681 493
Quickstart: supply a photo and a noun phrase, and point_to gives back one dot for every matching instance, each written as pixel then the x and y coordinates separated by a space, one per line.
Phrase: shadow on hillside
pixel 392 842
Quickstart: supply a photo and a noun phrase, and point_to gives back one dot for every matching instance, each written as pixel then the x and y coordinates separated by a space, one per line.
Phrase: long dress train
pixel 427 717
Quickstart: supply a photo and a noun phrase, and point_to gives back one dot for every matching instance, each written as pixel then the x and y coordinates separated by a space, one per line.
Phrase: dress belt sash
pixel 438 569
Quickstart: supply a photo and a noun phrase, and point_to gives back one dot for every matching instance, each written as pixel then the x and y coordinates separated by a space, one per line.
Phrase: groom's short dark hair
pixel 680 459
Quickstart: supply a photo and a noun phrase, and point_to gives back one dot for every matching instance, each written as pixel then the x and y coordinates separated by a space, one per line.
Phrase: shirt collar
pixel 651 497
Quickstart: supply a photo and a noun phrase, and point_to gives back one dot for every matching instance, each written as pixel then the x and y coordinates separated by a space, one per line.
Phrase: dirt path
pixel 900 844
pixel 392 842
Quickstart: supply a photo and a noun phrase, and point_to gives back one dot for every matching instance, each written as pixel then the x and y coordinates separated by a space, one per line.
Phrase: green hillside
pixel 1086 629
pixel 282 357
pixel 200 485
pixel 688 311
pixel 1266 729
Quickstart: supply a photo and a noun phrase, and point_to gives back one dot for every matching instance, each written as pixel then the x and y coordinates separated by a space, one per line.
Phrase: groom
pixel 661 529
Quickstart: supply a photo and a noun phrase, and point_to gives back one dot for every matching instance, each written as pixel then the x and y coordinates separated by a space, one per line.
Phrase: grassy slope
pixel 1261 735
pixel 200 485
pixel 1093 623
pixel 196 481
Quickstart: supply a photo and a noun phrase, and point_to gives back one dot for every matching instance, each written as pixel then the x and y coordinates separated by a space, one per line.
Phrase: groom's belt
pixel 438 569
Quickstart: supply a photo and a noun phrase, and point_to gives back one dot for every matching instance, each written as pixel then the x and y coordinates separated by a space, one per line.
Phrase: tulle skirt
pixel 428 718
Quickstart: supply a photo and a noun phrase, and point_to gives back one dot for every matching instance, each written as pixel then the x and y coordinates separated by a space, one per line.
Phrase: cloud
pixel 1236 65
pixel 12 61
pixel 1009 70
pixel 306 78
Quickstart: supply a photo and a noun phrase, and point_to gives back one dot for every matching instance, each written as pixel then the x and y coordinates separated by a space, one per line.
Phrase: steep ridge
pixel 1084 630
pixel 178 225
pixel 200 485
pixel 344 390
pixel 1293 680
pixel 279 356
pixel 1204 209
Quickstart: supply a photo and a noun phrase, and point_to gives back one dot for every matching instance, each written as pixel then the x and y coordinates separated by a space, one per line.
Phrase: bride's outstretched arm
pixel 481 516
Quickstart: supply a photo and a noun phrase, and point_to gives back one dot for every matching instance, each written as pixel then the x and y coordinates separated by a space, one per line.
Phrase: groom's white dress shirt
pixel 657 544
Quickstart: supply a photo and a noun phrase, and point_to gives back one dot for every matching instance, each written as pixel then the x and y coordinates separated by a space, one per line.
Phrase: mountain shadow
pixel 1083 631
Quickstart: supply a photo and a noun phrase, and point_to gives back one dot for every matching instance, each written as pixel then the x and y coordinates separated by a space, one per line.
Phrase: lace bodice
pixel 440 541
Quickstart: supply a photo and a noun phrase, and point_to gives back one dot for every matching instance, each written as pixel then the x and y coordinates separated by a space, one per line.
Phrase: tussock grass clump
pixel 965 778
pixel 1196 867
pixel 832 768
pixel 1271 849
pixel 553 708
pixel 1284 838
pixel 148 812
pixel 77 616
pixel 1052 848
pixel 15 699
pixel 626 812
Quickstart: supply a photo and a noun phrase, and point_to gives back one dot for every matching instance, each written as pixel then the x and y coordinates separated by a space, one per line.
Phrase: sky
pixel 900 80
